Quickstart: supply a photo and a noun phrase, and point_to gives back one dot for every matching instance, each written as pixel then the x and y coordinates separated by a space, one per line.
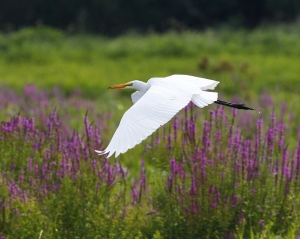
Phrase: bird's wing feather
pixel 202 83
pixel 205 98
pixel 154 109
pixel 135 96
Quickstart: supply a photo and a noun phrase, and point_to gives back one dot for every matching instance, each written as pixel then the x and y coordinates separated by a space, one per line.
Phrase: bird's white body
pixel 155 103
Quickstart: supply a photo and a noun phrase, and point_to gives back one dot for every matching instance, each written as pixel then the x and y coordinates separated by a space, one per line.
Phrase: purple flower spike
pixel 234 112
pixel 36 169
pixel 175 127
pixel 234 201
pixel 193 190
pixel 151 213
pixel 21 176
pixel 29 165
pixel 261 223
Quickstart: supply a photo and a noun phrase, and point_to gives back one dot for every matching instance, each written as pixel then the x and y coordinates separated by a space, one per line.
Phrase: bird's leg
pixel 233 105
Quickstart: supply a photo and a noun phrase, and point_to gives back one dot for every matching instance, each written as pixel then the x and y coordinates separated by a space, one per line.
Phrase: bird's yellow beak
pixel 119 86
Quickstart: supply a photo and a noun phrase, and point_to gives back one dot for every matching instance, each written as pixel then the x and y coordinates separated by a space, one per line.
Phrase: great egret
pixel 155 103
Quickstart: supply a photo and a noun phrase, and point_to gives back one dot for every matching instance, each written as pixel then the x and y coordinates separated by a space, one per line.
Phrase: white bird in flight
pixel 155 103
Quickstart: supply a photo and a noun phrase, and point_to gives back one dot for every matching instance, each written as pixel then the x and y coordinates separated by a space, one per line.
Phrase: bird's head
pixel 138 85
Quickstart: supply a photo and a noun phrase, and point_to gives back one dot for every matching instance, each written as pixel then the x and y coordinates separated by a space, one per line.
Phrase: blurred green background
pixel 244 61
pixel 89 45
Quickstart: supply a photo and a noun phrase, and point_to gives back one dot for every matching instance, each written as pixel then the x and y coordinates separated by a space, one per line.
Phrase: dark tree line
pixel 117 16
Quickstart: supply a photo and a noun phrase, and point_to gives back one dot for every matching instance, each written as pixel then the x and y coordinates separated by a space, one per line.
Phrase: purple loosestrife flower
pixel 88 128
pixel 86 121
pixel 90 131
pixel 41 139
pixel 29 91
pixel 94 164
pixel 142 175
pixel 134 194
pixel 16 213
pixel 212 116
pixel 256 148
pixel 54 118
pixel 100 174
pixel 191 130
pixel 251 169
pixel 266 99
pixel 246 155
pixel 169 184
pixel 229 235
pixel 298 163
pixel 270 142
pixel 170 142
pixel 193 190
pixel 218 136
pixel 206 137
pixel 44 170
pixel 234 112
pixel 261 223
pixel 291 170
pixel 36 169
pixel 6 127
pixel 284 167
pixel 50 128
pixel 281 135
pixel 273 119
pixel 283 110
pixel 31 124
pixel 151 212
pixel 157 140
pixel 29 165
pixel 47 154
pixel 234 201
pixel 195 207
pixel 58 141
pixel 175 127
pixel 173 166
pixel 237 142
pixel 21 176
pixel 241 216
pixel 110 175
pixel 3 206
pixel 197 153
pixel 86 153
pixel 24 197
pixel 259 129
pixel 12 167
pixel 142 184
pixel 97 138
pixel 14 190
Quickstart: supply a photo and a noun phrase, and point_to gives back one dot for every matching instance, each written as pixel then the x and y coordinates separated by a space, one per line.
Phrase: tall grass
pixel 210 175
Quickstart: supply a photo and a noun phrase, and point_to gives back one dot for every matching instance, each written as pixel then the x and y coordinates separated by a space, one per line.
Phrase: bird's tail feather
pixel 205 98
pixel 101 152
pixel 110 153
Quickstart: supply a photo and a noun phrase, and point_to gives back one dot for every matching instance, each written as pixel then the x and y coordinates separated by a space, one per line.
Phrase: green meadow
pixel 209 173
pixel 243 61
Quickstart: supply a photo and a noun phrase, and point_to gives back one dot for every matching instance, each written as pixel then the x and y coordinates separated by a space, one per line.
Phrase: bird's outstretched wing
pixel 154 109
pixel 202 83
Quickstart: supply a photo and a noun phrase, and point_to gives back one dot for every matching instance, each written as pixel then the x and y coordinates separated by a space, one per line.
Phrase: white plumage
pixel 155 103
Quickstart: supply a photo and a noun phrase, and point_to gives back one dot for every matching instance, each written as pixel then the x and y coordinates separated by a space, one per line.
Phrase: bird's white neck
pixel 139 85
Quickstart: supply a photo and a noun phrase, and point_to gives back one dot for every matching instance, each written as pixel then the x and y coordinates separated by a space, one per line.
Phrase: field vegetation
pixel 209 173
